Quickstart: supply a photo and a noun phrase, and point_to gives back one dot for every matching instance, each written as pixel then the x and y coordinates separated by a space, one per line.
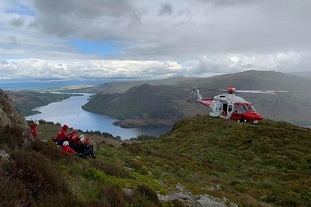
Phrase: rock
pixel 127 191
pixel 4 156
pixel 12 120
pixel 209 201
pixel 188 199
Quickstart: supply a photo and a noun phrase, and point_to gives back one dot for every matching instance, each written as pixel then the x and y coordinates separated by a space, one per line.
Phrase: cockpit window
pixel 243 109
pixel 249 107
pixel 253 108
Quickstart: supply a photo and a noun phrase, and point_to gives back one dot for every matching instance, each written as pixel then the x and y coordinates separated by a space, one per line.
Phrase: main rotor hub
pixel 231 90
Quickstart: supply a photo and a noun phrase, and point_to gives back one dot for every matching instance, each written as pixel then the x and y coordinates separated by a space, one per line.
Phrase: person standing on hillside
pixel 33 129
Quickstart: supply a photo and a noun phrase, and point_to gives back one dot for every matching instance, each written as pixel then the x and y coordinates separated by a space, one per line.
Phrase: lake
pixel 69 112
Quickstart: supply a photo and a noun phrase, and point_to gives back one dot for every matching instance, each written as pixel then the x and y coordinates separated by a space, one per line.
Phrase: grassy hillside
pixel 265 164
pixel 253 164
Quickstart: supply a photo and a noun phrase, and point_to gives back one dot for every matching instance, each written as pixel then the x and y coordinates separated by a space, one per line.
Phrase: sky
pixel 148 39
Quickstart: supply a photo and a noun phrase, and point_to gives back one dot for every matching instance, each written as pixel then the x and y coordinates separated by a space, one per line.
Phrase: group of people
pixel 74 144
pixel 71 143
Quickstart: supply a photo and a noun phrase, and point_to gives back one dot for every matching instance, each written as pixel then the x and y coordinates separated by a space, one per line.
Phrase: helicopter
pixel 230 106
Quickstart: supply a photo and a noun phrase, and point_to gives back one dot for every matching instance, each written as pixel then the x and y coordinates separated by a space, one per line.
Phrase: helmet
pixel 82 136
pixel 82 139
pixel 65 127
pixel 74 131
pixel 66 143
pixel 36 122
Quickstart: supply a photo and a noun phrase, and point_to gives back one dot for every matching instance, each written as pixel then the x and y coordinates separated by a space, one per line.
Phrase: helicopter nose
pixel 252 116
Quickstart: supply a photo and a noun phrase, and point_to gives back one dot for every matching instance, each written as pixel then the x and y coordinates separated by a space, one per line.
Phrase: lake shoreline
pixel 70 112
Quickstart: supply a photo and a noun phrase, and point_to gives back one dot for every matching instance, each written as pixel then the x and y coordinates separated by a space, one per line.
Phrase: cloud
pixel 151 69
pixel 17 22
pixel 40 68
pixel 152 38
pixel 166 9
pixel 233 63
pixel 77 17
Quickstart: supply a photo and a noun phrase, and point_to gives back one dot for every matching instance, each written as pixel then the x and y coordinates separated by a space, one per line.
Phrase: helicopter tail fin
pixel 196 93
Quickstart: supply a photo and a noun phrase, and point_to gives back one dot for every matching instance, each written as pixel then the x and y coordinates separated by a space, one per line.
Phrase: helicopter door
pixel 224 109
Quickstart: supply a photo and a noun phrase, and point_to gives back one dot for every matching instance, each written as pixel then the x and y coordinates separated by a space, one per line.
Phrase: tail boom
pixel 206 101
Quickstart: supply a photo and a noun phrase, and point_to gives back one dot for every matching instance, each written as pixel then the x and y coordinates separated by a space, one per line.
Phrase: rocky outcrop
pixel 14 130
pixel 190 200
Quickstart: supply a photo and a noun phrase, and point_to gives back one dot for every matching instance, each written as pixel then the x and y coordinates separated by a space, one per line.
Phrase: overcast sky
pixel 74 39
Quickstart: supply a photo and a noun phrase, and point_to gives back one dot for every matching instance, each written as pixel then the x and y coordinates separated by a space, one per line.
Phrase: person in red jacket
pixel 62 135
pixel 73 133
pixel 66 148
pixel 33 129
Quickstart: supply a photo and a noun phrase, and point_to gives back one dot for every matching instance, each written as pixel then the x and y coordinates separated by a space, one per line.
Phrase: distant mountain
pixel 145 103
pixel 122 86
pixel 306 74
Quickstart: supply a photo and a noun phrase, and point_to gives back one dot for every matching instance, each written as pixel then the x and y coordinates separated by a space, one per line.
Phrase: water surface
pixel 69 112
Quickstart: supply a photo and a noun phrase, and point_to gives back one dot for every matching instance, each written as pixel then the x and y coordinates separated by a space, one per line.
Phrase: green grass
pixel 265 164
pixel 267 161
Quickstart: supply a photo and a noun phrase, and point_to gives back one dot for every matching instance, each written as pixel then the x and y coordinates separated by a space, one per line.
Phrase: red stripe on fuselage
pixel 206 101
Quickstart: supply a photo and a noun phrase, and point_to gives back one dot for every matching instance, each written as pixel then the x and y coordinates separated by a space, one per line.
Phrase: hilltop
pixel 138 105
pixel 202 161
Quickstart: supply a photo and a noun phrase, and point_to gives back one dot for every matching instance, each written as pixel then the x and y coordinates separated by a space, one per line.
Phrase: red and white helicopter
pixel 230 106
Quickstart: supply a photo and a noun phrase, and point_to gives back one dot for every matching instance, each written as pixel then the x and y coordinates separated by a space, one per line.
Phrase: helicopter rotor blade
pixel 261 91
